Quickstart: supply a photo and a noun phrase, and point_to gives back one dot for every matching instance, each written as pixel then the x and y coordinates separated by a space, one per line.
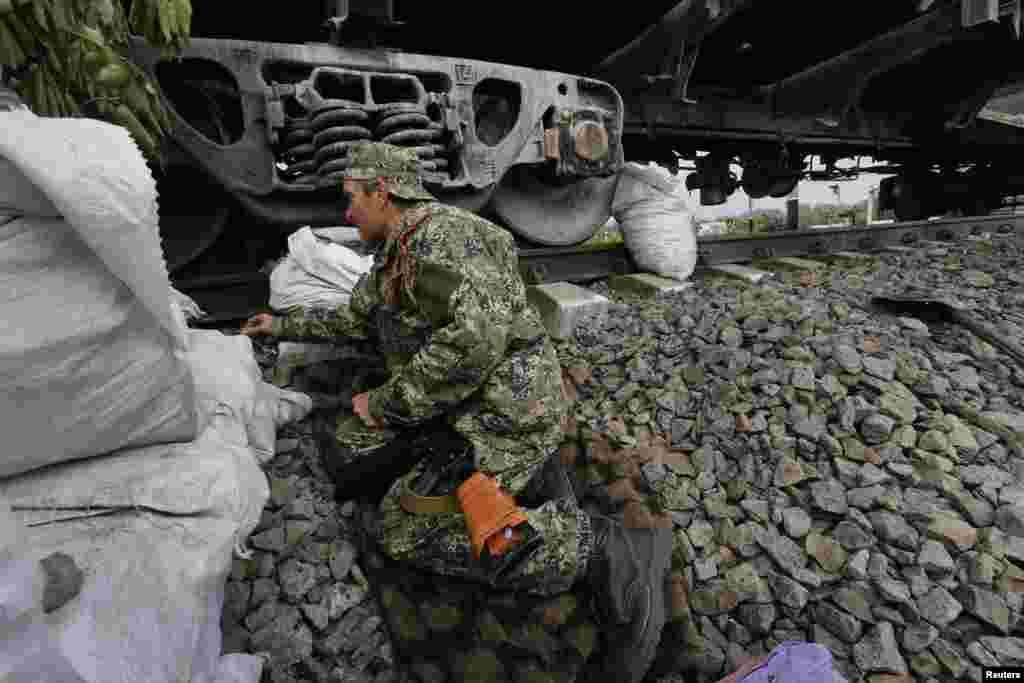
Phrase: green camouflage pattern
pixel 463 342
pixel 373 160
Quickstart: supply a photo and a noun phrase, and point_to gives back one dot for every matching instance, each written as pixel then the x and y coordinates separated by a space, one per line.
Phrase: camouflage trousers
pixel 440 542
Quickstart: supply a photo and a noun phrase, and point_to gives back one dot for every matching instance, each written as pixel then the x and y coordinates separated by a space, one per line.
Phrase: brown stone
pixel 743 423
pixel 1014 584
pixel 871 345
pixel 679 607
pixel 808 279
pixel 728 600
pixel 617 425
pixel 602 452
pixel 570 427
pixel 890 678
pixel 726 556
pixel 674 459
pixel 568 453
pixel 663 521
pixel 569 392
pixel 872 456
pixel 623 491
pixel 580 374
pixel 636 515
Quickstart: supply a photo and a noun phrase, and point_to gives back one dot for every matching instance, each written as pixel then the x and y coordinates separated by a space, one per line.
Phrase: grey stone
pixel 787 554
pixel 829 496
pixel 893 591
pixel 857 565
pixel 796 522
pixel 919 637
pixel 844 626
pixel 344 557
pixel 965 377
pixel 1009 651
pixel 986 606
pixel 810 428
pixel 802 378
pixel 917 579
pixel 848 358
pixel 706 569
pixel 878 566
pixel 708 660
pixel 236 599
pixel 282 637
pixel 865 498
pixel 934 558
pixel 855 599
pixel 938 607
pixel 852 536
pixel 877 428
pixel 980 654
pixel 1011 495
pixel 893 529
pixel 264 614
pixel 870 475
pixel 341 597
pixel 878 652
pixel 950 656
pixel 296 578
pixel 271 540
pixel 788 592
pixel 316 615
pixel 982 475
pixel 1010 519
pixel 822 636
pixel 882 368
pixel 757 618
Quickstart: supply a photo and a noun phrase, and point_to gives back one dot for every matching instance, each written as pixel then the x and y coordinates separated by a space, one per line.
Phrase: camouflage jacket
pixel 461 337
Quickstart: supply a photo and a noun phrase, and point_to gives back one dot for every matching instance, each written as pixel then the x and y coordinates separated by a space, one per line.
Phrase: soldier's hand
pixel 259 324
pixel 361 407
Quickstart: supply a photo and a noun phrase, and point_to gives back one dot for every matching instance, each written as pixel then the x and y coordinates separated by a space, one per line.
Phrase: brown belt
pixel 428 505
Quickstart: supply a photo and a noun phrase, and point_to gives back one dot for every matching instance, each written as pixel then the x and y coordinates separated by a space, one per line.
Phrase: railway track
pixel 232 298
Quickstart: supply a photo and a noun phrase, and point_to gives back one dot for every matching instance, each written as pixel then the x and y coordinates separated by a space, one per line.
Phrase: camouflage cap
pixel 398 167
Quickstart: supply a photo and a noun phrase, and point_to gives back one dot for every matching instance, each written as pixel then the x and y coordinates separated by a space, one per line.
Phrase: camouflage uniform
pixel 447 305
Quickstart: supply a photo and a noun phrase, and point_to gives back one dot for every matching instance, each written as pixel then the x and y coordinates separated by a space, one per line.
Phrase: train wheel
pixel 193 214
pixel 552 215
pixel 194 210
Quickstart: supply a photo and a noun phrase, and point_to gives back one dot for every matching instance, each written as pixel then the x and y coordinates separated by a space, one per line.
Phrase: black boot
pixel 627 571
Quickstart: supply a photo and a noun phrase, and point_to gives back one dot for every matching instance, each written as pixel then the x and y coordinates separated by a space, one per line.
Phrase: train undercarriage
pixel 924 89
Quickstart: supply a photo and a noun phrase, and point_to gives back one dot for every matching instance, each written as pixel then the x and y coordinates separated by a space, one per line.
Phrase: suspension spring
pixel 298 150
pixel 336 127
pixel 407 124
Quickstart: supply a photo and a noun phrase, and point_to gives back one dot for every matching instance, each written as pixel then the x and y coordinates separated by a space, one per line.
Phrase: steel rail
pixel 230 298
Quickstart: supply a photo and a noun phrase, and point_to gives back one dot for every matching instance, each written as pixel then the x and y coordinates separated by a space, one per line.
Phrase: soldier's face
pixel 367 211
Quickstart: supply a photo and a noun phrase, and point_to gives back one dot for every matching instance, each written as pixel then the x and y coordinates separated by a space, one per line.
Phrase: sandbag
pixel 154 531
pixel 229 382
pixel 316 273
pixel 90 340
pixel 657 224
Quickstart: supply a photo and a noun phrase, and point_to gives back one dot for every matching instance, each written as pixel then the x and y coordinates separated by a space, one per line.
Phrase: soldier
pixel 447 306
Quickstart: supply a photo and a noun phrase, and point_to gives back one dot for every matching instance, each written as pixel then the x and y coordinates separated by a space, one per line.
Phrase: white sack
pixel 657 224
pixel 316 273
pixel 229 382
pixel 153 530
pixel 188 306
pixel 88 331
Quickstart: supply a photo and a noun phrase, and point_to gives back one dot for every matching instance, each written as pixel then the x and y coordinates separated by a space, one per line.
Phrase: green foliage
pixel 770 220
pixel 68 58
